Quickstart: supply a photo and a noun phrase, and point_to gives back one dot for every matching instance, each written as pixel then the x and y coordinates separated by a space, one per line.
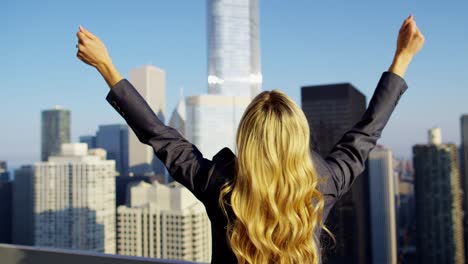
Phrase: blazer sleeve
pixel 183 160
pixel 348 157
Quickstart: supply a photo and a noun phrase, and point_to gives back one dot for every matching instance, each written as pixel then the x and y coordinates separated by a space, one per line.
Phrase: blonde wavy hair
pixel 273 196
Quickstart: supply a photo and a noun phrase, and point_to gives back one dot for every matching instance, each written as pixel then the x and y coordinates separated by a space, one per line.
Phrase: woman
pixel 268 204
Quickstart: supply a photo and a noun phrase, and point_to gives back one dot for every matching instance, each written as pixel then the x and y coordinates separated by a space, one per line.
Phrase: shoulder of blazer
pixel 223 169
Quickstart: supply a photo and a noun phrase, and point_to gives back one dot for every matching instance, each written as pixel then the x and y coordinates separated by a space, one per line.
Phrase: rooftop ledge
pixel 16 254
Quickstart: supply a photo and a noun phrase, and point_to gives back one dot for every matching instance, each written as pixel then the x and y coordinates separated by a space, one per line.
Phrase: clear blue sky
pixel 302 43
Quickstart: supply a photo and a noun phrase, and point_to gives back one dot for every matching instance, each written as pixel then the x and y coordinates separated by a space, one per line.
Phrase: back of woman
pixel 268 204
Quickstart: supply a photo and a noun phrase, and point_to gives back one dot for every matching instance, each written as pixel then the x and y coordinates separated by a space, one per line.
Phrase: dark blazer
pixel 204 177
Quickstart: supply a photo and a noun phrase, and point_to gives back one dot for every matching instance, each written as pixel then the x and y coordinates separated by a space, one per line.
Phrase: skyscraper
pixel 439 227
pixel 70 203
pixel 4 174
pixel 163 222
pixel 90 140
pixel 382 206
pixel 55 131
pixel 114 139
pixel 212 121
pixel 151 84
pixel 23 206
pixel 6 214
pixel 234 75
pixel 234 48
pixel 331 110
pixel 179 116
pixel 464 172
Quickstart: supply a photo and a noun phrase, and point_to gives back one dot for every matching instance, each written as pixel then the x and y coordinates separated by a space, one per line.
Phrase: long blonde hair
pixel 273 195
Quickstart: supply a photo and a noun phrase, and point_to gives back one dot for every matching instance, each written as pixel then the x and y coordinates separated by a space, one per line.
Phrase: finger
pixel 87 33
pixel 81 36
pixel 80 46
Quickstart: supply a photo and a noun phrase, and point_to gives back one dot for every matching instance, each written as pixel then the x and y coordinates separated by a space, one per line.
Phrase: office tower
pixel 114 139
pixel 179 116
pixel 331 110
pixel 4 174
pixel 23 206
pixel 163 222
pixel 55 131
pixel 70 201
pixel 382 206
pixel 88 139
pixel 464 172
pixel 234 48
pixel 439 227
pixel 6 214
pixel 212 121
pixel 151 84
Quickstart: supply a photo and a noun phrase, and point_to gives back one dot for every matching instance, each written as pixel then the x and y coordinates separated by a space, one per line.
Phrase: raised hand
pixel 410 41
pixel 92 51
pixel 410 38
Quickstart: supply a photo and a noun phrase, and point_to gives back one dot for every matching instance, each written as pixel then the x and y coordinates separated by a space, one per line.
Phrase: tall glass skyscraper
pixel 331 110
pixel 233 48
pixel 114 139
pixel 55 131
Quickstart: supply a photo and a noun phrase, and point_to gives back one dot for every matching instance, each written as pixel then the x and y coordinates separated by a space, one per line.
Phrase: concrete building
pixel 6 214
pixel 67 202
pixel 151 84
pixel 163 222
pixel 331 110
pixel 382 206
pixel 438 196
pixel 234 48
pixel 55 131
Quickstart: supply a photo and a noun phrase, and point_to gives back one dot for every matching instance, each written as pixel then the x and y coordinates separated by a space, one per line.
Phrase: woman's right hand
pixel 410 41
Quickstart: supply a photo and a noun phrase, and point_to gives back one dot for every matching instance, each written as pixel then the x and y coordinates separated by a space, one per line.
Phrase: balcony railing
pixel 15 254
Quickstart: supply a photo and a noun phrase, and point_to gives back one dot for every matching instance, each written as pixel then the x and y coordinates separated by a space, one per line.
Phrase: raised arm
pixel 348 157
pixel 183 160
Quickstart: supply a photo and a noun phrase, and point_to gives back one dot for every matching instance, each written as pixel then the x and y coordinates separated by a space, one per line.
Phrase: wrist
pixel 400 63
pixel 109 73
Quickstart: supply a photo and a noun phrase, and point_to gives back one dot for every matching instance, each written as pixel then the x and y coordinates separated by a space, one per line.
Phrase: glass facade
pixel 55 131
pixel 212 121
pixel 233 48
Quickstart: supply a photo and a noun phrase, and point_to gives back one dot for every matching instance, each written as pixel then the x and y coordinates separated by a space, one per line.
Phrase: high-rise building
pixel 382 206
pixel 179 116
pixel 88 139
pixel 23 206
pixel 70 203
pixel 55 131
pixel 150 82
pixel 114 139
pixel 163 222
pixel 4 174
pixel 464 172
pixel 234 48
pixel 212 121
pixel 331 110
pixel 6 214
pixel 439 214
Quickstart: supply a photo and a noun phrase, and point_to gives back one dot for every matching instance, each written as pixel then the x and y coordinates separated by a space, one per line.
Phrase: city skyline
pixel 294 54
